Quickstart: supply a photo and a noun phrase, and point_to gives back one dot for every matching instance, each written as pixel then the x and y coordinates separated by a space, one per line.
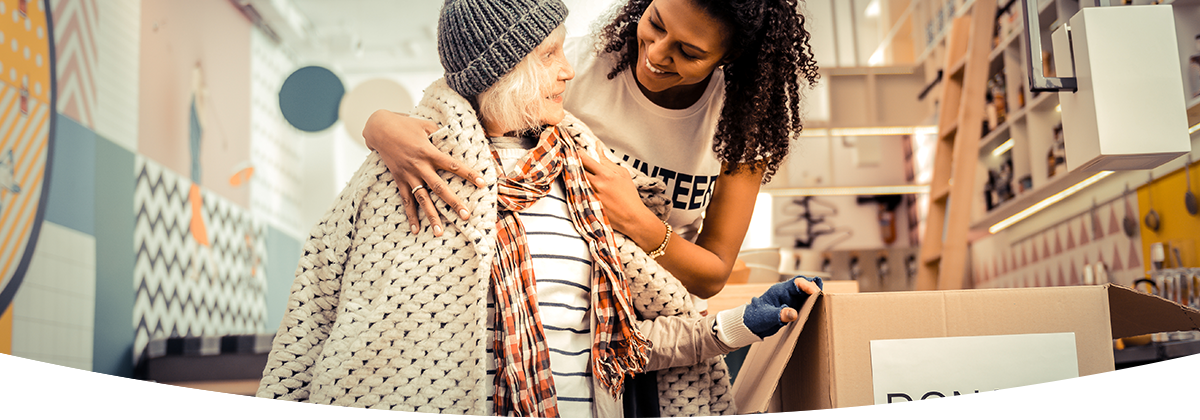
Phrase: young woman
pixel 524 308
pixel 702 94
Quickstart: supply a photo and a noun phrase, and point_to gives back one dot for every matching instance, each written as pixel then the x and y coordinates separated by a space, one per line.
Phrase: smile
pixel 653 69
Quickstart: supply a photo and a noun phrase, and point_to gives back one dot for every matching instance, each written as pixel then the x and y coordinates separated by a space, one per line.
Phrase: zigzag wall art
pixel 75 25
pixel 1059 255
pixel 27 117
pixel 186 288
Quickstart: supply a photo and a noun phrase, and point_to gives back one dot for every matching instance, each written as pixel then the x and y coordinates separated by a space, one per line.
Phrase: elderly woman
pixel 523 307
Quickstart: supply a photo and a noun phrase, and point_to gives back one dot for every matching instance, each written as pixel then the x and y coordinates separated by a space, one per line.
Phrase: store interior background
pixel 119 263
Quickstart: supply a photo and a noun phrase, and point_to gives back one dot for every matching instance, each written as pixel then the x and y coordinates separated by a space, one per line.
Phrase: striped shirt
pixel 563 267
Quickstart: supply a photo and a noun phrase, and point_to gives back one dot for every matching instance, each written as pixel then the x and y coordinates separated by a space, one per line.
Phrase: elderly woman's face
pixel 558 72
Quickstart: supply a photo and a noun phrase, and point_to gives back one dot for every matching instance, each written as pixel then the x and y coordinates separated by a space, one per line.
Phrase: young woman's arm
pixel 403 144
pixel 703 267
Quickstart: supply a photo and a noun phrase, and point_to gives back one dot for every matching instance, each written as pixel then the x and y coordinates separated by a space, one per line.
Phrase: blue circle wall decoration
pixel 310 97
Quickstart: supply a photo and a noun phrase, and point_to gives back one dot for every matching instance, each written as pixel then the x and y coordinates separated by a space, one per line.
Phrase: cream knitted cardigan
pixel 382 318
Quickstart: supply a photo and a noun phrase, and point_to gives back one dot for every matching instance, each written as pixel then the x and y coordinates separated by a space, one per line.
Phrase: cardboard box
pixel 734 295
pixel 824 360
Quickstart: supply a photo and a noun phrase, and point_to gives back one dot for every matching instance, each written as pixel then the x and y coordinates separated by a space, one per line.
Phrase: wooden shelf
pixel 994 138
pixel 878 70
pixel 1193 110
pixel 1043 5
pixel 1004 43
pixel 1018 115
pixel 1029 198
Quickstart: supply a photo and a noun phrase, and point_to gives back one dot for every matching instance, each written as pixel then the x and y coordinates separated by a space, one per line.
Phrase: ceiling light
pixel 1004 224
pixel 872 9
pixel 866 190
pixel 1058 108
pixel 876 58
pixel 1004 147
pixel 1194 128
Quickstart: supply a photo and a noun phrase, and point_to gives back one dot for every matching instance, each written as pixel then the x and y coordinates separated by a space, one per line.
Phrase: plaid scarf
pixel 523 382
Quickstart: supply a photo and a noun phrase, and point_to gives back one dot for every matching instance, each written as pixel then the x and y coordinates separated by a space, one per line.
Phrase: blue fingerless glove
pixel 762 314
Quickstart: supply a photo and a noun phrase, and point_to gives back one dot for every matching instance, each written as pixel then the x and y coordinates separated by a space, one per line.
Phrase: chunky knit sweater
pixel 379 317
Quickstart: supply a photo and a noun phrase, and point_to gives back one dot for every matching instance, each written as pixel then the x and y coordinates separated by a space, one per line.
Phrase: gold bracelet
pixel 662 248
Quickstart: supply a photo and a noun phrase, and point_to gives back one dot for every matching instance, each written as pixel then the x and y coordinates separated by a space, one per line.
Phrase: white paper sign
pixel 924 368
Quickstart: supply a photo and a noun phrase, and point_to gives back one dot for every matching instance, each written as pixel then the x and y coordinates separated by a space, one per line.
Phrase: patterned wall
pixel 121 216
pixel 75 30
pixel 183 287
pixel 98 65
pixel 275 146
pixel 1057 255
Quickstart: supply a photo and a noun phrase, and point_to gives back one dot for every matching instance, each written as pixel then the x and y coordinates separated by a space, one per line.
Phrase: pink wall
pixel 175 36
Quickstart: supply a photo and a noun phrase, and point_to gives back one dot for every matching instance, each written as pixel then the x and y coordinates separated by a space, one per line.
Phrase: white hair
pixel 514 103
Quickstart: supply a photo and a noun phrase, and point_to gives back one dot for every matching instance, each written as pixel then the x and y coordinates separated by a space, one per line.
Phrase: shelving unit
pixel 1031 120
pixel 1032 127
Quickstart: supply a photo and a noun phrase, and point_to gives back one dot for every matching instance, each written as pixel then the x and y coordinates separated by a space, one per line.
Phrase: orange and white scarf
pixel 523 382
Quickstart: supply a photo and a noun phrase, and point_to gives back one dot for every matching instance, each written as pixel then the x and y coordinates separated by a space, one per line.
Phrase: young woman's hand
pixel 403 144
pixel 622 204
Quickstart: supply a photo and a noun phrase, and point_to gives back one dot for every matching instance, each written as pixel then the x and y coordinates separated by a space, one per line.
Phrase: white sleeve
pixel 732 330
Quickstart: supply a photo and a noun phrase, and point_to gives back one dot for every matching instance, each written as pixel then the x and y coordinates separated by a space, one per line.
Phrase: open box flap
pixel 1136 313
pixel 770 357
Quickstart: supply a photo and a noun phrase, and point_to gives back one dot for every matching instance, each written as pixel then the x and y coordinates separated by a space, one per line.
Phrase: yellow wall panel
pixel 6 331
pixel 1177 228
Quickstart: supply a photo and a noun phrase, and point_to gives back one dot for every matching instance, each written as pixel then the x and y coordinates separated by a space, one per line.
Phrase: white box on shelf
pixel 1129 110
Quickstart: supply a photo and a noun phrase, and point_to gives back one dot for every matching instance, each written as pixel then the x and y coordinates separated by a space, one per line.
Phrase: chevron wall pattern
pixel 1056 256
pixel 184 288
pixel 75 25
pixel 96 47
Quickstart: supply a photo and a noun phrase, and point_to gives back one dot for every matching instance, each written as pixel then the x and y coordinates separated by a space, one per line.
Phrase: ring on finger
pixel 414 190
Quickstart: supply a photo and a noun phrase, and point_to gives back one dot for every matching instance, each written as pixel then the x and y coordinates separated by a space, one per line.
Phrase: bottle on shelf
pixel 1057 156
pixel 989 191
pixel 1021 96
pixel 1005 191
pixel 991 114
pixel 997 89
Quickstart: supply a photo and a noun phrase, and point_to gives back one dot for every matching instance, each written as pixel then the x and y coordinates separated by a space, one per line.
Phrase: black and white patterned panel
pixel 185 288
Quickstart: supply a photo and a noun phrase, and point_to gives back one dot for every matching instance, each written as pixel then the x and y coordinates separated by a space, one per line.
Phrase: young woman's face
pixel 559 71
pixel 679 44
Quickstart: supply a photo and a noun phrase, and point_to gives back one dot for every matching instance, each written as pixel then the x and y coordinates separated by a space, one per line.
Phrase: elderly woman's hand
pixel 766 314
pixel 403 144
pixel 622 204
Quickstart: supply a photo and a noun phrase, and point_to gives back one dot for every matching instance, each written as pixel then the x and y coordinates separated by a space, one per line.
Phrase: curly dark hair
pixel 761 114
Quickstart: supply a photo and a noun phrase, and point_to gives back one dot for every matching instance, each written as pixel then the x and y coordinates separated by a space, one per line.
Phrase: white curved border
pixel 38 390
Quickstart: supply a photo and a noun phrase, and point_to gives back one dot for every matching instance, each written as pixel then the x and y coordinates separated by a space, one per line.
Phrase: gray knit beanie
pixel 479 41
